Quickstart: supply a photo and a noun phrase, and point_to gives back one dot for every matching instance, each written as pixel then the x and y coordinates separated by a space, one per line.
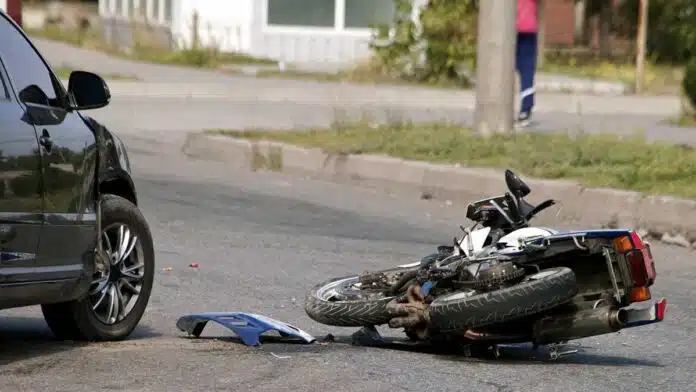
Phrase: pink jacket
pixel 527 16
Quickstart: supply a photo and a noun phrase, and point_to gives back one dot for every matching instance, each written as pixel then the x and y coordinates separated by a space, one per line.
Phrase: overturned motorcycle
pixel 504 282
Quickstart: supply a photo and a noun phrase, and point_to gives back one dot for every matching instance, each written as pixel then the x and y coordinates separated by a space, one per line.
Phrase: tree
pixel 671 28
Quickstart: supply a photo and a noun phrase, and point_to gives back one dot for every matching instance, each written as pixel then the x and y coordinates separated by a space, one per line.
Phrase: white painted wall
pixel 240 26
pixel 226 24
pixel 321 47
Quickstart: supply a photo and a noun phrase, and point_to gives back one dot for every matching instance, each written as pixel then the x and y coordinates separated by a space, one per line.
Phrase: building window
pixel 368 13
pixel 168 11
pixel 154 10
pixel 309 13
pixel 140 9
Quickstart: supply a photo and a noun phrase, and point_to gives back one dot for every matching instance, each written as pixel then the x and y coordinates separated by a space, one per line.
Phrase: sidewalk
pixel 555 111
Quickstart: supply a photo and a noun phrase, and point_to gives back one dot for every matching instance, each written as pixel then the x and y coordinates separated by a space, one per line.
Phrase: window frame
pixel 338 28
pixel 61 92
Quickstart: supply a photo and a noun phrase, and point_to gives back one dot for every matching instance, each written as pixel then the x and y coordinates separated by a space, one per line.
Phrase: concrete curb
pixel 668 219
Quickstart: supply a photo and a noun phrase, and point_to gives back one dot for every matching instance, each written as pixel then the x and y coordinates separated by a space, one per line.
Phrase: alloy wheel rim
pixel 119 274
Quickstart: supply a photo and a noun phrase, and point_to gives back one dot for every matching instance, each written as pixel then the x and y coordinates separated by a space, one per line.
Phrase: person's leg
pixel 526 65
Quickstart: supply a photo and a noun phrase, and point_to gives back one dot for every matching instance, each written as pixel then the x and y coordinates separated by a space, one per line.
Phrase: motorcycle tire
pixel 346 313
pixel 538 292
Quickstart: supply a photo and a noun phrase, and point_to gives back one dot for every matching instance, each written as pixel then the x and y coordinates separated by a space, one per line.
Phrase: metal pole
pixel 541 40
pixel 640 45
pixel 495 67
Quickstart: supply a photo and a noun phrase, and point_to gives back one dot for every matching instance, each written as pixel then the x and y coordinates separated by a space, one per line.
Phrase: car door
pixel 68 155
pixel 20 195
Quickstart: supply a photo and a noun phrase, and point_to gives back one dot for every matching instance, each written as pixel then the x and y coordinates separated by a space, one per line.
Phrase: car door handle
pixel 45 140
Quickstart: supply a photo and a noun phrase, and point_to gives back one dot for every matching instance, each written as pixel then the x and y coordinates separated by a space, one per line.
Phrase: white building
pixel 302 31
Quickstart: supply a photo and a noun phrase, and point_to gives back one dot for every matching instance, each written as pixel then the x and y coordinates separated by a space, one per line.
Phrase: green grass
pixel 594 160
pixel 64 73
pixel 351 76
pixel 658 79
pixel 200 58
pixel 145 49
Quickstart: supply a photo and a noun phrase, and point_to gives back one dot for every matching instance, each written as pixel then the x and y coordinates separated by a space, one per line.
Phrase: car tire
pixel 75 320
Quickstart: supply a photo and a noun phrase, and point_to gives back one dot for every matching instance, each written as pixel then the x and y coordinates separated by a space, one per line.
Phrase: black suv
pixel 72 238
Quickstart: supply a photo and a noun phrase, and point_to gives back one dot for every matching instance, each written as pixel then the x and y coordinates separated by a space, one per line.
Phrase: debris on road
pixel 167 269
pixel 367 336
pixel 194 265
pixel 329 338
pixel 248 326
pixel 281 356
pixel 326 340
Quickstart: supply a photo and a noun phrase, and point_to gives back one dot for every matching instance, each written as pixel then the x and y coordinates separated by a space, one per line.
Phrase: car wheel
pixel 121 287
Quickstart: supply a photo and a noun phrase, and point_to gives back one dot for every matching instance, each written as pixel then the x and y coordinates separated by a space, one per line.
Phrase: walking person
pixel 526 57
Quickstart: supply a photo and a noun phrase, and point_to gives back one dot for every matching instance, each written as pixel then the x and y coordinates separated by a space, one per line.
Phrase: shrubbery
pixel 689 88
pixel 439 48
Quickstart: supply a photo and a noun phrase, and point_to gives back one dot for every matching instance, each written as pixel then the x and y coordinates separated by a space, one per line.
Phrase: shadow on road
pixel 23 338
pixel 525 355
pixel 509 355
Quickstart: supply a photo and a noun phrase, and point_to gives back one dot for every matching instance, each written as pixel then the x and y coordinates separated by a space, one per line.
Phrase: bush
pixel 434 50
pixel 689 84
pixel 671 28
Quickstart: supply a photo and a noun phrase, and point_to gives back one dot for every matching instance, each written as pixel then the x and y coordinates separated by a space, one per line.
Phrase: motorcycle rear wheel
pixel 538 292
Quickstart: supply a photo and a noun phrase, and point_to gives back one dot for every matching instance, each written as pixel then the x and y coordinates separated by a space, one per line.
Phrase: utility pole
pixel 641 40
pixel 495 67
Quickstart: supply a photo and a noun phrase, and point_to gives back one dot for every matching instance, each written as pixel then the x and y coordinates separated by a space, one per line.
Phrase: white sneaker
pixel 524 119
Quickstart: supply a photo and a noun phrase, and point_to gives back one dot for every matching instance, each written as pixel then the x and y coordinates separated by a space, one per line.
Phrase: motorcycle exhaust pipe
pixel 580 324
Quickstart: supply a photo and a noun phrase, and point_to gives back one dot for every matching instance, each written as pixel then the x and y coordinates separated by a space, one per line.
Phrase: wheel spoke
pixel 133 268
pixel 124 256
pixel 113 304
pixel 132 276
pixel 126 243
pixel 101 285
pixel 134 290
pixel 121 244
pixel 122 304
pixel 107 246
pixel 101 298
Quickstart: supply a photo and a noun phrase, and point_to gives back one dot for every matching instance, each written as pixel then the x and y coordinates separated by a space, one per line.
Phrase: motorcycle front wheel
pixel 340 302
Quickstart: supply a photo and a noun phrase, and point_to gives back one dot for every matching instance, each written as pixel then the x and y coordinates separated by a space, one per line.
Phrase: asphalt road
pixel 262 240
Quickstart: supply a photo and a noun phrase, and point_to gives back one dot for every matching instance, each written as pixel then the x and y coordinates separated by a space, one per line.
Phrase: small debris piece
pixel 367 336
pixel 167 269
pixel 280 356
pixel 329 338
pixel 194 265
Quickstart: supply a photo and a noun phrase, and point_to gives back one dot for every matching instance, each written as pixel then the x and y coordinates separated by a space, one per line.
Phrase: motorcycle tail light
pixel 640 294
pixel 623 244
pixel 639 259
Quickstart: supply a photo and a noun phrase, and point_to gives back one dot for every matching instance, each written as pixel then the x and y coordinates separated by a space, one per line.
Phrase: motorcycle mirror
pixel 515 184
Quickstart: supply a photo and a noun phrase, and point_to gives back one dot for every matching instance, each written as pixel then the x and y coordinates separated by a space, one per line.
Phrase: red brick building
pixel 13 9
pixel 559 20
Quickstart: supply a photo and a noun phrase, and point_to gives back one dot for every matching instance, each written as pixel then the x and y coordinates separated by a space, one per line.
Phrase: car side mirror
pixel 87 90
